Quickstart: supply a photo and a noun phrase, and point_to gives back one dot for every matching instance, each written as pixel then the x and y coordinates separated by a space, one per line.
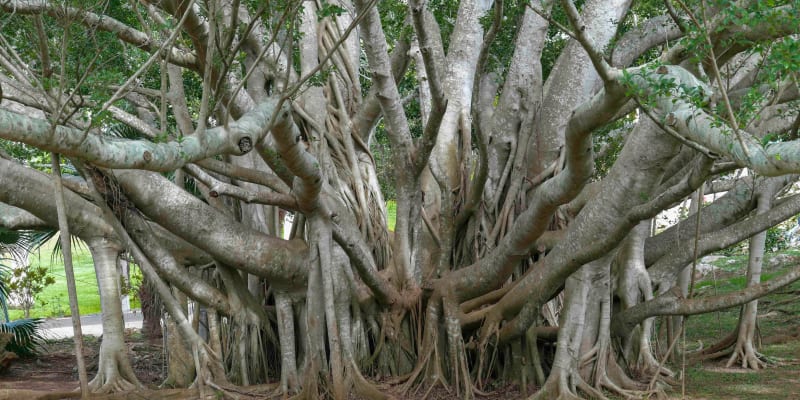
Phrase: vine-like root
pixel 209 373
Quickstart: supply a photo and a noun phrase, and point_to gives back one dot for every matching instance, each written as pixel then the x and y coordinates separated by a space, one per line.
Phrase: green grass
pixel 391 214
pixel 777 382
pixel 54 301
pixel 777 315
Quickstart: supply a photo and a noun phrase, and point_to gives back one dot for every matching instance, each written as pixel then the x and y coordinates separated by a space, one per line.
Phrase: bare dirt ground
pixel 53 376
pixel 55 369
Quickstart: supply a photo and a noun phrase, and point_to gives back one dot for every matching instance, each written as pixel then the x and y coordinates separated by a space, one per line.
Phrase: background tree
pixel 530 144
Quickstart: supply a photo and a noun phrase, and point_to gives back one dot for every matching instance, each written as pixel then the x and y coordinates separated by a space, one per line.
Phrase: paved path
pixel 60 328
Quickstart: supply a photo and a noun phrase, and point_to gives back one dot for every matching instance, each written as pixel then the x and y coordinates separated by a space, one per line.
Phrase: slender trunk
pixel 286 335
pixel 180 368
pixel 114 371
pixel 744 350
pixel 66 250
pixel 151 312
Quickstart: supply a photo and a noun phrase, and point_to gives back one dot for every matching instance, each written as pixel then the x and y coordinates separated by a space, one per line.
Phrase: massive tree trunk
pixel 530 146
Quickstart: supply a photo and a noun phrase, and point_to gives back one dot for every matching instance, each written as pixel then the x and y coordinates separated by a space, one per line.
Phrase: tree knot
pixel 245 144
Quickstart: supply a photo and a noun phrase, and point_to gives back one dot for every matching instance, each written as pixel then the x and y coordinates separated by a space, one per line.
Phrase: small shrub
pixel 24 284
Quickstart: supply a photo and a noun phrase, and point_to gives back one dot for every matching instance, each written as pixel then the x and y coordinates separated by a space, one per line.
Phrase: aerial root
pixel 609 375
pixel 749 357
pixel 717 350
pixel 111 382
pixel 363 387
pixel 565 387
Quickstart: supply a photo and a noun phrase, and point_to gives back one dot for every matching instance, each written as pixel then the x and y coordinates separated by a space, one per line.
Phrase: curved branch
pixel 492 270
pixel 14 218
pixel 673 303
pixel 119 153
pixel 668 267
pixel 103 22
pixel 218 188
pixel 227 241
pixel 652 32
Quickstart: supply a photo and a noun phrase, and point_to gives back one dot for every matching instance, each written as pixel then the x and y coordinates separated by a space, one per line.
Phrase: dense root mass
pixel 360 198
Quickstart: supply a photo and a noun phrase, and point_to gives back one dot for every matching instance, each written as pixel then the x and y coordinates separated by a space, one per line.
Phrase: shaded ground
pixel 779 320
pixel 55 370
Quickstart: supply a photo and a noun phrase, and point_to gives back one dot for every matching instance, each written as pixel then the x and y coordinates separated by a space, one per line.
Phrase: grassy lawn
pixel 53 301
pixel 391 214
pixel 778 326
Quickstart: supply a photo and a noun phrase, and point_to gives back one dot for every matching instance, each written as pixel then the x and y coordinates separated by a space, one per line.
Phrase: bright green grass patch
pixel 391 214
pixel 54 301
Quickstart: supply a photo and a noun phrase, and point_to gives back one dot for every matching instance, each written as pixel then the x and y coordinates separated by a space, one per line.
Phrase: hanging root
pixel 459 367
pixel 609 375
pixel 209 373
pixel 429 371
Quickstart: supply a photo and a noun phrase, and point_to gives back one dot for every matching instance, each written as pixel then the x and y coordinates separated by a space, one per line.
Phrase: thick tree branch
pixel 36 198
pixel 168 267
pixel 478 122
pixel 108 152
pixel 668 267
pixel 673 303
pixel 427 47
pixel 229 242
pixel 361 256
pixel 383 80
pixel 304 166
pixel 606 72
pixel 677 108
pixel 218 188
pixel 14 218
pixel 370 110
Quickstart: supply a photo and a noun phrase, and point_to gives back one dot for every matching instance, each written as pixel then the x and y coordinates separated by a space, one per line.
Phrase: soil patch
pixel 54 370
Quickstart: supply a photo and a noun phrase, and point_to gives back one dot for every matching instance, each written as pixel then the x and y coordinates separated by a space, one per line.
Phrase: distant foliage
pixel 24 284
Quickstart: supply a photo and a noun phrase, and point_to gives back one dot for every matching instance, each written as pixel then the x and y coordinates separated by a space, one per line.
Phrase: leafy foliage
pixel 27 336
pixel 24 284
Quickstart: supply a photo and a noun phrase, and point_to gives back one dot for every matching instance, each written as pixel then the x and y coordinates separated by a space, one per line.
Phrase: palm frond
pixel 27 336
pixel 76 244
pixel 19 243
pixel 4 270
pixel 124 131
